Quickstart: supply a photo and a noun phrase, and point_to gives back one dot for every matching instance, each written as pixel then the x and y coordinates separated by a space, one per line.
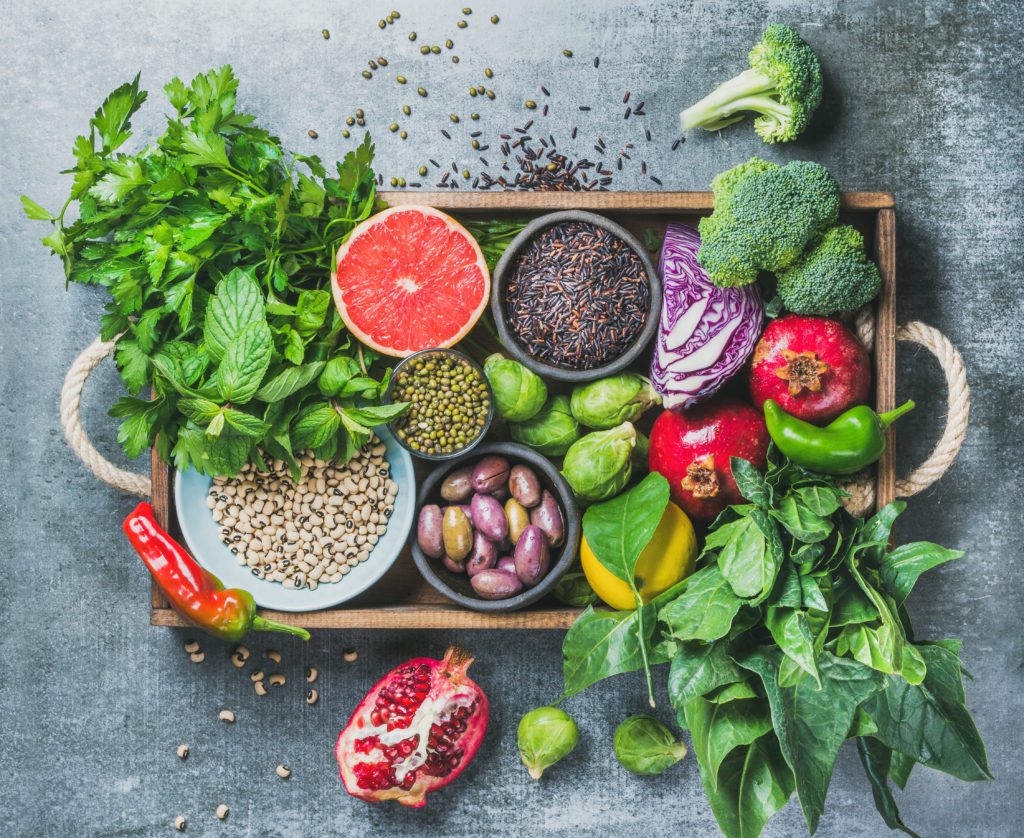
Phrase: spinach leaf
pixel 812 722
pixel 929 721
pixel 900 568
pixel 699 668
pixel 877 759
pixel 717 729
pixel 792 634
pixel 803 524
pixel 604 643
pixel 705 610
pixel 750 482
pixel 744 559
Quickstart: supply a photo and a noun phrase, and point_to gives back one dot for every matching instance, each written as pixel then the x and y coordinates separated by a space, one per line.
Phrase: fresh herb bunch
pixel 217 252
pixel 791 637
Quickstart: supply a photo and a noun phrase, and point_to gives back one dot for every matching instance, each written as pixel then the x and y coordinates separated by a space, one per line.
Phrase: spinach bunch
pixel 216 246
pixel 790 638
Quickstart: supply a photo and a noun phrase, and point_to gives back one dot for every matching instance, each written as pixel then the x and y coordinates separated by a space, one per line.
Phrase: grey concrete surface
pixel 921 100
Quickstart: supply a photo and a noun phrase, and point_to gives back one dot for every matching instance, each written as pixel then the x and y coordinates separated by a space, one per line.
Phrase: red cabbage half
pixel 706 332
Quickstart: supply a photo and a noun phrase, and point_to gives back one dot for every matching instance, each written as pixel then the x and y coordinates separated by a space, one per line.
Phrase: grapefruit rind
pixel 400 290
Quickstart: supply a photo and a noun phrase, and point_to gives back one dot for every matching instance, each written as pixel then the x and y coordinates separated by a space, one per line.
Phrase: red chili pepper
pixel 193 592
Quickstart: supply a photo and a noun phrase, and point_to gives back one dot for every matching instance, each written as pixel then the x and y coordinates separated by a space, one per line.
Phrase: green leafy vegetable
pixel 216 248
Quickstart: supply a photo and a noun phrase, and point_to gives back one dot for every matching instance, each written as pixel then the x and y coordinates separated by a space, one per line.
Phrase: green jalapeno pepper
pixel 851 442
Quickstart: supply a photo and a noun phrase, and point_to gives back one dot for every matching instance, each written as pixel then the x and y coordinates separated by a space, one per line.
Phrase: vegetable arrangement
pixel 216 246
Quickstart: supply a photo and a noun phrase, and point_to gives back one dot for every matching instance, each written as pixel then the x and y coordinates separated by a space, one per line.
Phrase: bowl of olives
pixel 496 528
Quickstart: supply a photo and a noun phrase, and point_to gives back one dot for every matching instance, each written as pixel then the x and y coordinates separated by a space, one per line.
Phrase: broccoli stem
pixel 720 104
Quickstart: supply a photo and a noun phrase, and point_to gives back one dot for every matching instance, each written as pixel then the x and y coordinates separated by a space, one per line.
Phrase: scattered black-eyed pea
pixel 274 655
pixel 179 823
pixel 350 655
pixel 256 675
pixel 227 716
pixel 312 696
pixel 311 674
pixel 182 751
pixel 261 688
pixel 191 646
pixel 239 656
pixel 222 811
pixel 197 657
pixel 276 679
pixel 283 771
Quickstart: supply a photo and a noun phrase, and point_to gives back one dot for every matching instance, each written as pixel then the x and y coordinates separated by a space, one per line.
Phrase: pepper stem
pixel 888 418
pixel 263 624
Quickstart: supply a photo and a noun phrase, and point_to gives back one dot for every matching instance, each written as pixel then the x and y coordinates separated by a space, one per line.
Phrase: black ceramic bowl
pixel 507 264
pixel 456 586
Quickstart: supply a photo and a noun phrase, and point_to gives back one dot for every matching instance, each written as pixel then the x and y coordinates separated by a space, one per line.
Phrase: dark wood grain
pixel 402 599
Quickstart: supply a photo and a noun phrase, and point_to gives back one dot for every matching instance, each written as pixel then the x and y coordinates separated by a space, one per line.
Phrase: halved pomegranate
pixel 414 732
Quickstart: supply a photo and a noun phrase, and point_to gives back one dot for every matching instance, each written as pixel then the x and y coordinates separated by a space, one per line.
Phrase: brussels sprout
pixel 546 735
pixel 619 398
pixel 519 393
pixel 598 466
pixel 645 746
pixel 573 589
pixel 551 431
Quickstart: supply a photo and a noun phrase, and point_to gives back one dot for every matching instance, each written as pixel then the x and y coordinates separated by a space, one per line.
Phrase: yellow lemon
pixel 668 558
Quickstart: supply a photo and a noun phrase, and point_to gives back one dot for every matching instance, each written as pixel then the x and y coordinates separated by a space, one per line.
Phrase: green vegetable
pixel 546 735
pixel 494 235
pixel 792 637
pixel 834 275
pixel 599 465
pixel 782 86
pixel 765 216
pixel 551 431
pixel 519 393
pixel 216 246
pixel 852 441
pixel 645 746
pixel 611 401
pixel 573 589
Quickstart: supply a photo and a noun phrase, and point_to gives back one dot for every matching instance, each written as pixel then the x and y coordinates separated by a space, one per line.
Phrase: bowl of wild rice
pixel 306 544
pixel 575 297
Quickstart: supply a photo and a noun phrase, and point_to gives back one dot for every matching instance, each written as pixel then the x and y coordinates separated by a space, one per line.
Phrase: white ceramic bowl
pixel 201 534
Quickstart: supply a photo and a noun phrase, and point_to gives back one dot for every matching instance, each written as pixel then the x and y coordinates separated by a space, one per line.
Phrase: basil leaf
pixel 236 305
pixel 750 482
pixel 618 530
pixel 311 311
pixel 603 643
pixel 876 759
pixel 900 568
pixel 717 729
pixel 811 722
pixel 200 411
pixel 377 414
pixel 699 668
pixel 336 375
pixel 754 783
pixel 929 721
pixel 705 610
pixel 315 425
pixel 245 363
pixel 289 379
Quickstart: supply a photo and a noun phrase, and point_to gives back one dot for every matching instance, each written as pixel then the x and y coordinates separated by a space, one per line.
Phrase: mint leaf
pixel 237 303
pixel 245 363
pixel 245 423
pixel 288 380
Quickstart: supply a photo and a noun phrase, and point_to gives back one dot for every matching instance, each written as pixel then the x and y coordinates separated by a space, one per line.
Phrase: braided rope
pixel 71 422
pixel 861 488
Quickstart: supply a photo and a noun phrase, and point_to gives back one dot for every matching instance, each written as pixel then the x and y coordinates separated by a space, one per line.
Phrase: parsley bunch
pixel 217 251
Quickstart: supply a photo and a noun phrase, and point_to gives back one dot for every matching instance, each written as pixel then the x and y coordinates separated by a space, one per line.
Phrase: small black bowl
pixel 507 264
pixel 456 586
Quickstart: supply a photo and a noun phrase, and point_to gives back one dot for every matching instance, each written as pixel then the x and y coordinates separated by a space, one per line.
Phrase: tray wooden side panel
pixel 402 599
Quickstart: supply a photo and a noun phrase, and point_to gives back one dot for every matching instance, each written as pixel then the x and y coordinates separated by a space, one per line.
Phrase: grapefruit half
pixel 410 278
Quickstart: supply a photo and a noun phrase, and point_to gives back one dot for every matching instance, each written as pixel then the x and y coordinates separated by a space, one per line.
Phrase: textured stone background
pixel 921 100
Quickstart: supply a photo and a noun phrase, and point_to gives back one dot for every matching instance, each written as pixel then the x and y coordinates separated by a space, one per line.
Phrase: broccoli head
pixel 782 86
pixel 835 275
pixel 764 217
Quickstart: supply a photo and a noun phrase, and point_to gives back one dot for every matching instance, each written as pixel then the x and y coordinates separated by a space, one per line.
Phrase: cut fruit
pixel 410 278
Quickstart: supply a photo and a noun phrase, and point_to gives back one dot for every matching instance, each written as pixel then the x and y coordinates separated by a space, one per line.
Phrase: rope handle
pixel 862 489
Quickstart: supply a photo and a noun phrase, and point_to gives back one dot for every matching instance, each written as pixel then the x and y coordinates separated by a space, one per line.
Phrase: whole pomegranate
pixel 692 449
pixel 414 732
pixel 814 367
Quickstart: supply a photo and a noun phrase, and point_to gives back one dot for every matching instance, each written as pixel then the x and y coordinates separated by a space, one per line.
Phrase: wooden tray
pixel 402 599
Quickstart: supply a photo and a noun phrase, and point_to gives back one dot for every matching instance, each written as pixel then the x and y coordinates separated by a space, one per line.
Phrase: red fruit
pixel 692 449
pixel 414 731
pixel 815 368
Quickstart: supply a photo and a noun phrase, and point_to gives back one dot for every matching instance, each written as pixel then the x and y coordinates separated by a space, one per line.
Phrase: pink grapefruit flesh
pixel 410 278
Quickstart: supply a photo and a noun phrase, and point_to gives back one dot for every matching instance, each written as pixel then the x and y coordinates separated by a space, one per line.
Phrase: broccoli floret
pixel 834 275
pixel 764 217
pixel 783 86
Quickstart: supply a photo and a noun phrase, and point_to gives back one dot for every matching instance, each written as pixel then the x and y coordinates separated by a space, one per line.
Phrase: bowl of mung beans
pixel 450 404
pixel 305 544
